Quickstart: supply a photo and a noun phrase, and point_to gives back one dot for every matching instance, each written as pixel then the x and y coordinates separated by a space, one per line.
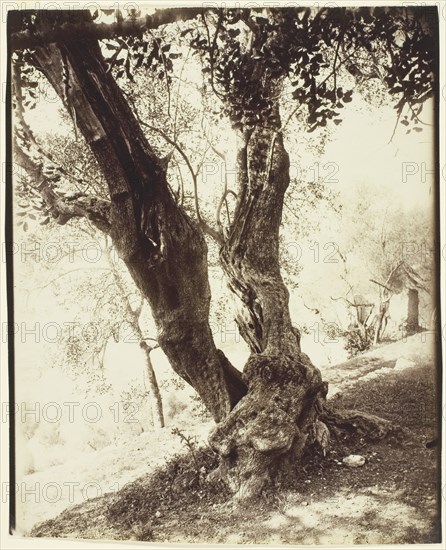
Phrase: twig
pixel 163 58
pixel 220 205
pixel 400 110
pixel 380 284
pixel 212 47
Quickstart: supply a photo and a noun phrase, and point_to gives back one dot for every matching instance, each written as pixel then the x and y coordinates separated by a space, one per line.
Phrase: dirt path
pixel 380 361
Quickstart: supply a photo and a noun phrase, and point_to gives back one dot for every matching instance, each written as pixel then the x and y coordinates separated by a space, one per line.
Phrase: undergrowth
pixel 181 483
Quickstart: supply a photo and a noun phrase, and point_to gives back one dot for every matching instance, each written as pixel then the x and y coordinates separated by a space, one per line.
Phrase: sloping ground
pixel 43 495
pixel 393 498
pixel 379 361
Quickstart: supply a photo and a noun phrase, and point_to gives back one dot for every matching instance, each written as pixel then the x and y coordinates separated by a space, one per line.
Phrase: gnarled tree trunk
pixel 279 415
pixel 163 249
pixel 166 255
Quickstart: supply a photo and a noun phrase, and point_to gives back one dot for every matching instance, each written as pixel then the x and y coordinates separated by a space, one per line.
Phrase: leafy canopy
pixel 245 53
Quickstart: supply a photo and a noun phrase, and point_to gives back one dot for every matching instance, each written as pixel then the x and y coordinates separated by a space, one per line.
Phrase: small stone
pixel 304 503
pixel 157 514
pixel 354 461
pixel 308 481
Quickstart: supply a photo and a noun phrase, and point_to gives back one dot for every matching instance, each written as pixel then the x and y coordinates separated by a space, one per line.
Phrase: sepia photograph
pixel 223 274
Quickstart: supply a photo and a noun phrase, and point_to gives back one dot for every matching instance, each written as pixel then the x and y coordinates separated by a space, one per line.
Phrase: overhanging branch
pixel 89 29
pixel 64 208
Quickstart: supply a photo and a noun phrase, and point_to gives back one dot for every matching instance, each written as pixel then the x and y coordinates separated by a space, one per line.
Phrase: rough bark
pixel 164 251
pixel 250 257
pixel 272 423
pixel 72 28
pixel 358 422
pixel 276 419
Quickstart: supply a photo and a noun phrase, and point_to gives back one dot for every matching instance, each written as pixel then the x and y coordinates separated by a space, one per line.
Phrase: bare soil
pixel 394 498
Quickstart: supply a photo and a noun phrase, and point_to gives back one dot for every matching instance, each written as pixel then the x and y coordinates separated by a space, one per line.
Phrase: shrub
pixel 358 340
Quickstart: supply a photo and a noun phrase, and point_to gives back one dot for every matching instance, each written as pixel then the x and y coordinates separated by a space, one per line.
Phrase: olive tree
pixel 263 67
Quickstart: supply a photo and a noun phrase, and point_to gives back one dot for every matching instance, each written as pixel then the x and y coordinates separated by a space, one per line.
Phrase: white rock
pixel 403 363
pixel 354 461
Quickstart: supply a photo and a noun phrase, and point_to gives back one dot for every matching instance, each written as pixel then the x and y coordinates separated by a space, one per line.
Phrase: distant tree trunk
pixel 381 319
pixel 412 323
pixel 133 320
pixel 155 395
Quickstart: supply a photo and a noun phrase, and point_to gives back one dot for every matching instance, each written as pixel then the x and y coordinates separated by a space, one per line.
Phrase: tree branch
pixel 212 48
pixel 220 205
pixel 203 224
pixel 89 29
pixel 62 208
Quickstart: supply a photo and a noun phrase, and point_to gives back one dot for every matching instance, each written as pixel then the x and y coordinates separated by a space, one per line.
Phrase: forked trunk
pixel 268 417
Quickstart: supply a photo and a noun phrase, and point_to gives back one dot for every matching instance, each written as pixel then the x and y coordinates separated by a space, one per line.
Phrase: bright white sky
pixel 363 153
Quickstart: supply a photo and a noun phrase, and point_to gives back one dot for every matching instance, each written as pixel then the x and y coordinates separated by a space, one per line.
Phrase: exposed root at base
pixel 369 425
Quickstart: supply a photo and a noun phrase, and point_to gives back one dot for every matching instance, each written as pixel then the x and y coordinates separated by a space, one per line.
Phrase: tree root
pixel 367 425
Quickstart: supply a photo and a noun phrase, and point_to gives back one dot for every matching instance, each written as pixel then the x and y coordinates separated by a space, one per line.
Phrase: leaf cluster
pixel 323 53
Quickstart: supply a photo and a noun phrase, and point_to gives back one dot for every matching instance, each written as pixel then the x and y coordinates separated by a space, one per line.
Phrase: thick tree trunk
pixel 166 255
pixel 164 251
pixel 250 258
pixel 279 415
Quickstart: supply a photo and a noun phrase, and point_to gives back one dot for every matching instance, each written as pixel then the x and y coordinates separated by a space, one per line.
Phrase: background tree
pixel 251 60
pixel 383 236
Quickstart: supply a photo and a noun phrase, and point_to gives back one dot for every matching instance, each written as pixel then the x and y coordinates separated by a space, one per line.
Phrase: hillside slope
pixel 393 498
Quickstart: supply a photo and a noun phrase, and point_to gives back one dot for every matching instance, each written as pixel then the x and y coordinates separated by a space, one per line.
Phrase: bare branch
pixel 203 224
pixel 380 284
pixel 220 205
pixel 351 303
pixel 400 110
